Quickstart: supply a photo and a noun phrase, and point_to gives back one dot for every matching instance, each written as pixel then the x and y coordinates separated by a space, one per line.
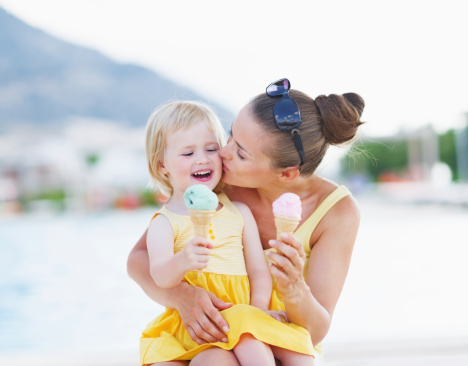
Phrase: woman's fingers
pixel 211 321
pixel 201 333
pixel 200 316
pixel 294 253
pixel 194 335
pixel 291 240
pixel 285 258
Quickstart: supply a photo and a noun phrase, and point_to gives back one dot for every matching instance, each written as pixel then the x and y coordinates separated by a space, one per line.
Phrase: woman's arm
pixel 311 302
pixel 197 307
pixel 256 265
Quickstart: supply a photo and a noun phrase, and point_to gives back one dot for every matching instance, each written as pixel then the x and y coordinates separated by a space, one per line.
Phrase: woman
pixel 277 141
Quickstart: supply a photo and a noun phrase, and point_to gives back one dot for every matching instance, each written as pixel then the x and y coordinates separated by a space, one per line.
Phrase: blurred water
pixel 63 280
pixel 408 275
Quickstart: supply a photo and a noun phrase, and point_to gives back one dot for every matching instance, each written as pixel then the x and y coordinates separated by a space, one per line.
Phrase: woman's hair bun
pixel 340 116
pixel 356 101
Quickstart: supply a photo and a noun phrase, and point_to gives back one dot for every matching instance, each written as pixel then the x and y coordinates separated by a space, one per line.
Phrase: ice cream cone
pixel 201 221
pixel 285 224
pixel 201 224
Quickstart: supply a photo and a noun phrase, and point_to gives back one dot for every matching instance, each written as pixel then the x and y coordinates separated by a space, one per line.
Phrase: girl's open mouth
pixel 203 175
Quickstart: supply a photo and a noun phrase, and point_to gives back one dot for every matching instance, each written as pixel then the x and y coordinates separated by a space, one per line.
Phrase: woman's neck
pixel 303 187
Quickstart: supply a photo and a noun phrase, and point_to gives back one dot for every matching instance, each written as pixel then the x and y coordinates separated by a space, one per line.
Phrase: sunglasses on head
pixel 286 112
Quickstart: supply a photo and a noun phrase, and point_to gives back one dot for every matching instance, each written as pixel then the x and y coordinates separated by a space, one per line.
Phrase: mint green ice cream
pixel 200 197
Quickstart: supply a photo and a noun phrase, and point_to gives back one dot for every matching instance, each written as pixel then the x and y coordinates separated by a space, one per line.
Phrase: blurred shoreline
pixel 451 194
pixel 411 193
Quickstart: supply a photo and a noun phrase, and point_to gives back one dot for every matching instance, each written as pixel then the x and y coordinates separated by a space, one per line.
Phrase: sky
pixel 407 59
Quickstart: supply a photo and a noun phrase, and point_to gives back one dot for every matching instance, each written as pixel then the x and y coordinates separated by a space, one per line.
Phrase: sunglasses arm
pixel 298 142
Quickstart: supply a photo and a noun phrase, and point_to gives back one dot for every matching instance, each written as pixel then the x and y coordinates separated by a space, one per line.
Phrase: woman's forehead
pixel 248 133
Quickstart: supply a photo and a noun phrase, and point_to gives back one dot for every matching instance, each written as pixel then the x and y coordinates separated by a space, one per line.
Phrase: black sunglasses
pixel 286 112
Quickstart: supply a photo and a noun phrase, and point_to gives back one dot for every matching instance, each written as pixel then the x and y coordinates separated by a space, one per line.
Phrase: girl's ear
pixel 163 169
pixel 289 173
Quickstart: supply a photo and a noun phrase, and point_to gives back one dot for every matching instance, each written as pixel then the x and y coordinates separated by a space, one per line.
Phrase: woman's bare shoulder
pixel 345 213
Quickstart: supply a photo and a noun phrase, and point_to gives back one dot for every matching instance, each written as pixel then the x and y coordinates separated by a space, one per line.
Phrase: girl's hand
pixel 287 264
pixel 196 253
pixel 278 315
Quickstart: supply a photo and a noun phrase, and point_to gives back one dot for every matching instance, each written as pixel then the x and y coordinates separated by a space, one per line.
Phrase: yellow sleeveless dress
pixel 303 233
pixel 166 339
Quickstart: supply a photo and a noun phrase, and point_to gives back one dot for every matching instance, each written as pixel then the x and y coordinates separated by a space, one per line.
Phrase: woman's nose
pixel 224 152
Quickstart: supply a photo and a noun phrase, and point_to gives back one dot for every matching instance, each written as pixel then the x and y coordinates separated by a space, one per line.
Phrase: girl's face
pixel 244 161
pixel 192 157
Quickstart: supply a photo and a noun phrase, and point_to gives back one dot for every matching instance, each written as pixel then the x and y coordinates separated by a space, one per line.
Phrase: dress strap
pixel 304 232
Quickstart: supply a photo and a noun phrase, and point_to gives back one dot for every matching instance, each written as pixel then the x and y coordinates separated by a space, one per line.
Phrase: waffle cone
pixel 285 225
pixel 201 221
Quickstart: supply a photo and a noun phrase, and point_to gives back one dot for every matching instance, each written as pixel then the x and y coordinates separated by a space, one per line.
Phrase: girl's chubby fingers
pixel 202 242
pixel 278 315
pixel 201 251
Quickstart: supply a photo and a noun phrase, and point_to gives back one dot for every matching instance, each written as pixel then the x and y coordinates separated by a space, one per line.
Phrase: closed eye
pixel 212 148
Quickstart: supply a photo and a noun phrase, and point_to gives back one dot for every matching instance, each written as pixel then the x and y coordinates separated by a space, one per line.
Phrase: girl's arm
pixel 311 302
pixel 197 307
pixel 256 265
pixel 166 268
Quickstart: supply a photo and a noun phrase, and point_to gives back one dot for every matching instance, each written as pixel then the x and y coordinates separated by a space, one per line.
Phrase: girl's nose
pixel 202 158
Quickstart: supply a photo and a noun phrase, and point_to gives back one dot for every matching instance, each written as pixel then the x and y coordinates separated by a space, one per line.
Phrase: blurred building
pixel 87 164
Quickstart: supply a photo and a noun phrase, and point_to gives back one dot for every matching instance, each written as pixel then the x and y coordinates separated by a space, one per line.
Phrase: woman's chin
pixel 225 178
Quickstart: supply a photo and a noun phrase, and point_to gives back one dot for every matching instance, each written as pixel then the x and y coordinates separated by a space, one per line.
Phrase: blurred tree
pixel 149 198
pixel 374 159
pixel 448 151
pixel 92 159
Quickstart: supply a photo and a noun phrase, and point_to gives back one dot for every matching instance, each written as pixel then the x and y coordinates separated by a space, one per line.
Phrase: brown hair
pixel 329 120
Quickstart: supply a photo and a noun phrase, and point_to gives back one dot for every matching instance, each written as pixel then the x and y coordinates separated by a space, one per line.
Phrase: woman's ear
pixel 289 173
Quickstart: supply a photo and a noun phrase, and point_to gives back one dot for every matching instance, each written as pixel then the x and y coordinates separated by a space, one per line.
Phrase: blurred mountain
pixel 44 80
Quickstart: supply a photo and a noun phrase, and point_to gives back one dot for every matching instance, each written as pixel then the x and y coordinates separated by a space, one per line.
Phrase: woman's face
pixel 244 161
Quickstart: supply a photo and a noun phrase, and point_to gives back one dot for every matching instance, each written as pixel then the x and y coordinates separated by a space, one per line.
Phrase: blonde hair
pixel 168 119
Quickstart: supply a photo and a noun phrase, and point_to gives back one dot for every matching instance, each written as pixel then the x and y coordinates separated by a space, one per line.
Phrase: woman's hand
pixel 201 317
pixel 287 265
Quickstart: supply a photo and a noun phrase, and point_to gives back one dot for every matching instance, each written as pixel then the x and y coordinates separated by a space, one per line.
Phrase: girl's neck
pixel 176 204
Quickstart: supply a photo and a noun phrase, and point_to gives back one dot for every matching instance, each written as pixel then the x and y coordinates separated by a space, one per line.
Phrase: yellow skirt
pixel 165 338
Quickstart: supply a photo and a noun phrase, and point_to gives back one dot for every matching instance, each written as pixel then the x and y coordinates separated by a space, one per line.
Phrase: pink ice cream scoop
pixel 288 205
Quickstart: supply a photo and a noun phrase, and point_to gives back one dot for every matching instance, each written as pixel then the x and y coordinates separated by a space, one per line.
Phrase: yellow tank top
pixel 304 232
pixel 226 227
